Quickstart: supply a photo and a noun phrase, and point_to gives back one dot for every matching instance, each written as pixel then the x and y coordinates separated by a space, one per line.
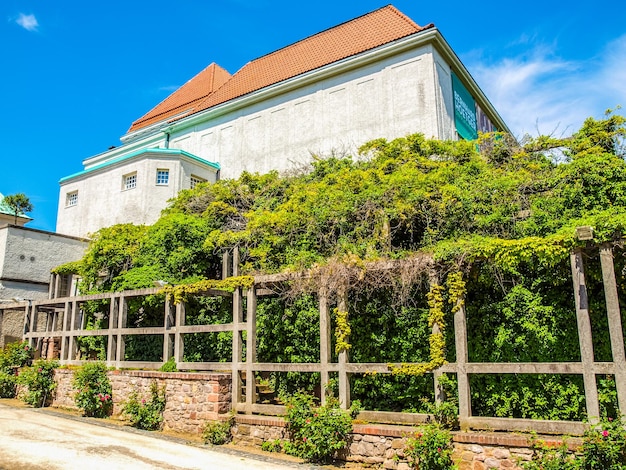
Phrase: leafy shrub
pixel 316 433
pixel 8 381
pixel 551 458
pixel 146 414
pixel 15 355
pixel 430 448
pixel 39 379
pixel 169 366
pixel 274 445
pixel 94 395
pixel 218 432
pixel 604 446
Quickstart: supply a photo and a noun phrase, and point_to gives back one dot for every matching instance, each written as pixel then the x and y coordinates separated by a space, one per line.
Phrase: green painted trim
pixel 172 152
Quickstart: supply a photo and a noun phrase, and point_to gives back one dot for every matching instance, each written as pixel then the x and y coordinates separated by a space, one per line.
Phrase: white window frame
pixel 162 176
pixel 129 181
pixel 71 199
pixel 195 180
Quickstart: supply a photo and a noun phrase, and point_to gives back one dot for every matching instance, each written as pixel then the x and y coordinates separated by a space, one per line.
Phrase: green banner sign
pixel 464 110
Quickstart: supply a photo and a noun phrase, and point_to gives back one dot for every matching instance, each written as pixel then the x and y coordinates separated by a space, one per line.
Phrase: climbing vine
pixel 180 293
pixel 342 331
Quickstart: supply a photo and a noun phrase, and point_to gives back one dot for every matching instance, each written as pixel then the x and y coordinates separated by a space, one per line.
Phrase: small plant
pixel 146 414
pixel 551 458
pixel 94 395
pixel 169 366
pixel 274 445
pixel 316 433
pixel 430 448
pixel 39 379
pixel 218 432
pixel 12 357
pixel 604 446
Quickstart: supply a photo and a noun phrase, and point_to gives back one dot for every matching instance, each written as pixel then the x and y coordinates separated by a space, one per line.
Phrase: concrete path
pixel 37 439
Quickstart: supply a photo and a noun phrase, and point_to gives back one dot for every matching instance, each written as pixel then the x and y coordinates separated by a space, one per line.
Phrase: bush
pixel 8 382
pixel 39 379
pixel 604 446
pixel 275 445
pixel 218 432
pixel 430 448
pixel 316 433
pixel 146 414
pixel 94 394
pixel 551 458
pixel 169 366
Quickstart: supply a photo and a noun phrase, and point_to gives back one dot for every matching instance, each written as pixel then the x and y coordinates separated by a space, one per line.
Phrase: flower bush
pixel 39 380
pixel 12 357
pixel 551 458
pixel 604 446
pixel 316 433
pixel 94 392
pixel 146 414
pixel 430 448
pixel 218 432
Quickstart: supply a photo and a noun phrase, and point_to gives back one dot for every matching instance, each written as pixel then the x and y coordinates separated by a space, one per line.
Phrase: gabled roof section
pixel 186 97
pixel 353 37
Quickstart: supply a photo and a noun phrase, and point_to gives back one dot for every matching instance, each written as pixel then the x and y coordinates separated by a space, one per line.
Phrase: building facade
pixel 378 75
pixel 27 256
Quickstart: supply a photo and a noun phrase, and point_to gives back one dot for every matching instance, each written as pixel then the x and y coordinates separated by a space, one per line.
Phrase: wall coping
pixel 161 375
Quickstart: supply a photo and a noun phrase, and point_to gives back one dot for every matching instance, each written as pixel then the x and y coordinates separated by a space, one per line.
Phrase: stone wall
pixel 382 446
pixel 191 399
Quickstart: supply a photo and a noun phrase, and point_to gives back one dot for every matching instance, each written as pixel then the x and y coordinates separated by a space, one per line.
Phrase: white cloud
pixel 537 92
pixel 28 22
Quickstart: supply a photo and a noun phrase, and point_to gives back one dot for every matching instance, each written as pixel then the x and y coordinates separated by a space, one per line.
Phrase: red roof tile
pixel 186 97
pixel 361 34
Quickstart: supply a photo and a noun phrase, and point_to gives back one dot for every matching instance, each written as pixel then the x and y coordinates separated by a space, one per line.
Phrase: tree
pixel 19 203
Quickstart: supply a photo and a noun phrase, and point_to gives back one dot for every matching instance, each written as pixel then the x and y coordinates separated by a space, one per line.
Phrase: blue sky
pixel 75 74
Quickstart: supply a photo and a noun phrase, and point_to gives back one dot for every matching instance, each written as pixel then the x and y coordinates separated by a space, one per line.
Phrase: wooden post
pixel 584 335
pixel 343 358
pixel 64 329
pixel 72 348
pixel 168 338
pixel 251 303
pixel 179 342
pixel 325 340
pixel 225 265
pixel 237 347
pixel 615 323
pixel 460 344
pixel 112 343
pixel 236 261
pixel 122 317
pixel 433 280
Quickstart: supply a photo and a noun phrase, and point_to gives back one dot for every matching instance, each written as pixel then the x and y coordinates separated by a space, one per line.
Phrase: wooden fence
pixel 63 321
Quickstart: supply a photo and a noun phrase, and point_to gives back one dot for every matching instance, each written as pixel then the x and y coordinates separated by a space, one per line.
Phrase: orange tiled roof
pixel 361 34
pixel 186 97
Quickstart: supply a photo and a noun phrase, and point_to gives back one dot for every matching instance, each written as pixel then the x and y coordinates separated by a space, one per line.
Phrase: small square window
pixel 129 181
pixel 163 177
pixel 196 180
pixel 71 199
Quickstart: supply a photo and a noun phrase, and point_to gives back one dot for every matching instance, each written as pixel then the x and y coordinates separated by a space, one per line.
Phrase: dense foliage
pixel 12 357
pixel 501 212
pixel 39 382
pixel 146 413
pixel 93 390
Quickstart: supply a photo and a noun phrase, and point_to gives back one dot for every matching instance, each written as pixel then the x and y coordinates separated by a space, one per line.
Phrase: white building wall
pixel 391 98
pixel 27 256
pixel 103 200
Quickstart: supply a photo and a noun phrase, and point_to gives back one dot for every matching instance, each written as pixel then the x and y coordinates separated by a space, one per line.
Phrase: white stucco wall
pixel 389 98
pixel 103 201
pixel 27 256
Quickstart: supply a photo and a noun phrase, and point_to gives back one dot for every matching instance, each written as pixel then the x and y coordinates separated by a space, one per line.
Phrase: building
pixel 27 256
pixel 378 75
pixel 8 216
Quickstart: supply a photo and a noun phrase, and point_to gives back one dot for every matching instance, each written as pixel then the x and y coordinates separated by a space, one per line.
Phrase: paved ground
pixel 38 439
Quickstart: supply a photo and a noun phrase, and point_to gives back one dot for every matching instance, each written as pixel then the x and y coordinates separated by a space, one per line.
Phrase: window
pixel 163 177
pixel 71 199
pixel 196 180
pixel 129 181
